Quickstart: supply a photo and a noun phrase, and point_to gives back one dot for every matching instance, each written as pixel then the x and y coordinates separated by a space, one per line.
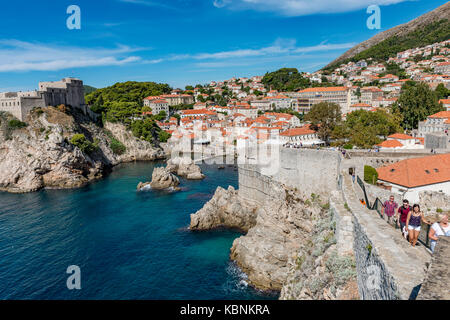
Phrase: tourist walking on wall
pixel 389 208
pixel 402 215
pixel 413 224
pixel 439 229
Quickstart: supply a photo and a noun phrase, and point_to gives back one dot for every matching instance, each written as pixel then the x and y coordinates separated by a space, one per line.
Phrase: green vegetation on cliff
pixel 123 103
pixel 146 129
pixel 88 89
pixel 86 146
pixel 116 146
pixel 129 92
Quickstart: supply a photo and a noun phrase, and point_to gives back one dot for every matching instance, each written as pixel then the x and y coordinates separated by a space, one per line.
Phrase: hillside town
pixel 246 107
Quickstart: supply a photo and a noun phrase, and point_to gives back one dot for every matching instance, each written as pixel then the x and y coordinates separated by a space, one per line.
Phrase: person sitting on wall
pixel 439 229
pixel 388 208
pixel 414 223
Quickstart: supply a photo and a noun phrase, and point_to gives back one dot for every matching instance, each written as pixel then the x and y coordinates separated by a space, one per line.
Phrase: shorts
pixel 410 227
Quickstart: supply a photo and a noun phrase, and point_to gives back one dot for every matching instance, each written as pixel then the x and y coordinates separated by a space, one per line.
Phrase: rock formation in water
pixel 40 154
pixel 161 179
pixel 185 167
pixel 225 209
pixel 284 231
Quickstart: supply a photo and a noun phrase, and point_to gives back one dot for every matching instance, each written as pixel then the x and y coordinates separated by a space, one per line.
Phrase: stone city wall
pixel 310 171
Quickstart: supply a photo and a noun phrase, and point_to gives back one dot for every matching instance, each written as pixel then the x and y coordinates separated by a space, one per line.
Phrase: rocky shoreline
pixel 288 245
pixel 40 155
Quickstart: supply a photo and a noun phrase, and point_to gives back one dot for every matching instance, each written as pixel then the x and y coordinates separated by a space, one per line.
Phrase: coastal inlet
pixel 128 244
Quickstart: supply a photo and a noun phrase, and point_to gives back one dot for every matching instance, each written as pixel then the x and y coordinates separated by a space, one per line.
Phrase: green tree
pixel 442 92
pixel 417 101
pixel 164 136
pixel 129 92
pixel 285 79
pixel 161 115
pixel 324 117
pixel 364 128
pixel 145 129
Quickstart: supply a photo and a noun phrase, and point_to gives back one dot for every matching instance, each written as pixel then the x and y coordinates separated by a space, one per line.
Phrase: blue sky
pixel 182 42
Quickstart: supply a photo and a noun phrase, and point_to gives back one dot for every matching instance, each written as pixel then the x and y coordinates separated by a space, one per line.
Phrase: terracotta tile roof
pixel 324 89
pixel 389 76
pixel 278 115
pixel 444 101
pixel 372 89
pixel 440 115
pixel 390 144
pixel 297 132
pixel 418 171
pixel 158 101
pixel 361 105
pixel 194 112
pixel 400 136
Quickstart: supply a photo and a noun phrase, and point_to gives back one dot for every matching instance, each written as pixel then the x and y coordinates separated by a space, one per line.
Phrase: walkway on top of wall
pixel 406 265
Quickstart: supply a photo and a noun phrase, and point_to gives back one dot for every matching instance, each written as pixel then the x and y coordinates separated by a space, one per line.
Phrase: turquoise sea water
pixel 128 244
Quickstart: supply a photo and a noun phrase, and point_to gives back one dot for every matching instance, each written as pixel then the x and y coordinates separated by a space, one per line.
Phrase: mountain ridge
pixel 439 14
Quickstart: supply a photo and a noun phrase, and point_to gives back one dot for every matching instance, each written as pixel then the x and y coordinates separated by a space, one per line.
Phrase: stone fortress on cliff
pixel 68 91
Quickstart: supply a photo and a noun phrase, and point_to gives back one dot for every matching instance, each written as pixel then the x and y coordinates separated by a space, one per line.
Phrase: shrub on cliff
pixel 80 141
pixel 16 124
pixel 116 146
pixel 370 175
pixel 164 136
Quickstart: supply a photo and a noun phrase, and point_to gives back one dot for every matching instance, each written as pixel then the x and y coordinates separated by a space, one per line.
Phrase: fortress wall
pixel 310 171
pixel 27 104
pixel 13 109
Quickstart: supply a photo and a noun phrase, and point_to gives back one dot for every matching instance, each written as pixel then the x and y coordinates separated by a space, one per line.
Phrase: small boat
pixel 221 167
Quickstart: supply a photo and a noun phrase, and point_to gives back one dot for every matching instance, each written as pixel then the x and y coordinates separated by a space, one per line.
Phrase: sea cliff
pixel 289 240
pixel 40 155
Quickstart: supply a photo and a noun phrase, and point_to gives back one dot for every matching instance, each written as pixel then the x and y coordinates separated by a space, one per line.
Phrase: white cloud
pixel 302 7
pixel 281 47
pixel 18 55
pixel 221 3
